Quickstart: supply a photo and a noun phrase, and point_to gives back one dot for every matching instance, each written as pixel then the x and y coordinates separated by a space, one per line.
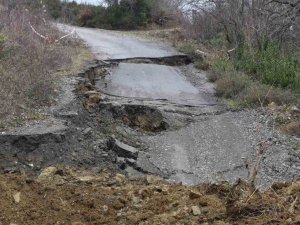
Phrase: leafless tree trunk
pixel 245 21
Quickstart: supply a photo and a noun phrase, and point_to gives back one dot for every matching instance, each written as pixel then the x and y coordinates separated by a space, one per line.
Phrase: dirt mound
pixel 65 196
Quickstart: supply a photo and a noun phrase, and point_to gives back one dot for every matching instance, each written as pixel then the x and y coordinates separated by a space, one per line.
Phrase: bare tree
pixel 245 21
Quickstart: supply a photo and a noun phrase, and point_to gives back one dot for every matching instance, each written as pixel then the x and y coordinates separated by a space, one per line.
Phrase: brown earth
pixel 65 196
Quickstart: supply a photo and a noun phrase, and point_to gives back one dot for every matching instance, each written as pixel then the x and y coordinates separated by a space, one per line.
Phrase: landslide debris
pixel 62 195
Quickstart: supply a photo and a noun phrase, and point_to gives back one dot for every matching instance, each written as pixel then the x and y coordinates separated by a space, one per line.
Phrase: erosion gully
pixel 149 115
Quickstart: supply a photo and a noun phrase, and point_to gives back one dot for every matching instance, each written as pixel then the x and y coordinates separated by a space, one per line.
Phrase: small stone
pixel 136 200
pixel 205 210
pixel 123 150
pixel 105 208
pixel 121 160
pixel 87 131
pixel 165 190
pixel 90 107
pixel 144 193
pixel 131 162
pixel 196 211
pixel 194 194
pixel 69 114
pixel 17 197
pixel 153 179
pixel 120 178
pixel 87 94
pixel 13 224
pixel 95 99
pixel 47 173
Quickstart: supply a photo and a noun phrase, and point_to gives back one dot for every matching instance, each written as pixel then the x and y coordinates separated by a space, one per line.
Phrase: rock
pixel 87 94
pixel 91 178
pixel 122 150
pixel 136 200
pixel 121 163
pixel 194 194
pixel 69 114
pixel 13 224
pixel 294 188
pixel 196 211
pixel 17 197
pixel 105 208
pixel 205 210
pixel 220 222
pixel 144 193
pixel 89 85
pixel 87 131
pixel 47 173
pixel 120 178
pixel 153 179
pixel 131 162
pixel 95 99
pixel 121 160
pixel 90 107
pixel 165 190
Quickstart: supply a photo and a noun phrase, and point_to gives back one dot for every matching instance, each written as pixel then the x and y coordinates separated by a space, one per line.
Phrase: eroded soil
pixel 66 196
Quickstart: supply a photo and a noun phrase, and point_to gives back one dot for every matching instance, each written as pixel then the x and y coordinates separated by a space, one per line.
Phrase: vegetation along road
pixel 149 112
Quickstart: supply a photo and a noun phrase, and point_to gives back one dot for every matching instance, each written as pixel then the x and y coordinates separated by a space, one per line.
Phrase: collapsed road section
pixel 148 110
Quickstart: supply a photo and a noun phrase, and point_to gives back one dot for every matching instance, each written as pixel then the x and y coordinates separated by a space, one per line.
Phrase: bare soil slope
pixel 65 196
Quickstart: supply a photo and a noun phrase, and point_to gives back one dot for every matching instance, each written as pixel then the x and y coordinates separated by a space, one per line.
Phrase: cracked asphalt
pixel 204 142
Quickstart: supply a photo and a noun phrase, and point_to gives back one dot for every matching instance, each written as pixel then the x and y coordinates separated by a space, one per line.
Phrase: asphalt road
pixel 212 146
pixel 112 45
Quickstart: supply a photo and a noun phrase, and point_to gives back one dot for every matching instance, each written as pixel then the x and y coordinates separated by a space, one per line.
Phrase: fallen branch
pixel 37 33
pixel 47 38
pixel 67 35
pixel 261 149
pixel 292 208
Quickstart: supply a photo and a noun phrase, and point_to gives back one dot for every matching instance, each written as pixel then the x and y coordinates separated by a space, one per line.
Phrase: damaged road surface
pixel 201 141
pixel 143 108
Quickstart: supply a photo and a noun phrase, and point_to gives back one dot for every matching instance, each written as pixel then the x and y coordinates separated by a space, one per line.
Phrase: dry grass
pixel 29 64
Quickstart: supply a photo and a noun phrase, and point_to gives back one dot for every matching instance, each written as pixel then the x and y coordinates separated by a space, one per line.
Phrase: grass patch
pixel 243 91
pixel 270 65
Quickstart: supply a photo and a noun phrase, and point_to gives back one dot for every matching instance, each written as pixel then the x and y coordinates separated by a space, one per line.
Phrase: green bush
pixel 270 65
pixel 243 91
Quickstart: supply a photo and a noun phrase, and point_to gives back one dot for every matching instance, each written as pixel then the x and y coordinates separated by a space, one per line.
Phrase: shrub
pixel 258 94
pixel 243 90
pixel 270 65
pixel 230 85
pixel 27 79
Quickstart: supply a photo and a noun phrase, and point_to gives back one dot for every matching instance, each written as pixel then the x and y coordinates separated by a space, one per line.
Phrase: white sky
pixel 96 2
